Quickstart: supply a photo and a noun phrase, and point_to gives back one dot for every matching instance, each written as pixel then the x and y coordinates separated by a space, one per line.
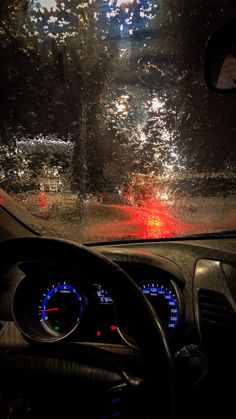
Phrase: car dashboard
pixel 51 301
pixel 191 285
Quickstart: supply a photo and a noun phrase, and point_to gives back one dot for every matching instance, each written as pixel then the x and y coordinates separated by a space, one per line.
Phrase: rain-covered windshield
pixel 107 129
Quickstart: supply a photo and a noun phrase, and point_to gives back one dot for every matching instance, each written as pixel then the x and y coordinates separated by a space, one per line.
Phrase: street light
pixel 48 4
pixel 125 3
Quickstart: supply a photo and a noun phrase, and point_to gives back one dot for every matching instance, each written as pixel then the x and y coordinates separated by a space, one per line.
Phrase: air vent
pixel 215 309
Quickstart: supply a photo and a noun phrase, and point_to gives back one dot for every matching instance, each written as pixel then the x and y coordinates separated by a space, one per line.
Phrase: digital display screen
pixel 102 295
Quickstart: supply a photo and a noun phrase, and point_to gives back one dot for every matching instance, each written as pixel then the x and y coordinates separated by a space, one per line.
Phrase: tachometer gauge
pixel 60 309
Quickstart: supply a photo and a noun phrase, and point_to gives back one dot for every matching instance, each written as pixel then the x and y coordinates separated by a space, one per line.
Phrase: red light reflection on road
pixel 42 199
pixel 154 221
pixel 147 222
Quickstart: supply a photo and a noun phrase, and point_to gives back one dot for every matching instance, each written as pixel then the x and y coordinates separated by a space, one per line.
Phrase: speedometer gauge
pixel 60 309
pixel 164 300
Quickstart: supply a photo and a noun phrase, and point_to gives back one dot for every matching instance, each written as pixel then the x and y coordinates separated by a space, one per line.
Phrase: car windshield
pixel 107 129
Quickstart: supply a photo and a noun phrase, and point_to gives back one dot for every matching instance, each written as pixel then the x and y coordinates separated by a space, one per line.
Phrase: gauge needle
pixel 46 310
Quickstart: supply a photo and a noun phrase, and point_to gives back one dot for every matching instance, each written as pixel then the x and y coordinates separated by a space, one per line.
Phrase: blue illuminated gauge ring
pixel 60 309
pixel 164 301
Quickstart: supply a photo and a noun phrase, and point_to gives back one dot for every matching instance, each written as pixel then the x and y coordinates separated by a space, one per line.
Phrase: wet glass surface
pixel 107 130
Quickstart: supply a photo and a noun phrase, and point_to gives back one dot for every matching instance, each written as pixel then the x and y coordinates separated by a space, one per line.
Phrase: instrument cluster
pixel 62 306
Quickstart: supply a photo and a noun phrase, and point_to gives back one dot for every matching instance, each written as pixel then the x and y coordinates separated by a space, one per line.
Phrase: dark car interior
pixel 135 328
pixel 175 357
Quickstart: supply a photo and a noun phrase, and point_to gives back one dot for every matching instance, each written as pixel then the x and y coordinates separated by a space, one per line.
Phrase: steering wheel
pixel 63 362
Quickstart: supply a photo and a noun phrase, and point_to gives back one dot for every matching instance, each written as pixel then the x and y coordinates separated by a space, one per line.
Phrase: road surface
pixel 63 216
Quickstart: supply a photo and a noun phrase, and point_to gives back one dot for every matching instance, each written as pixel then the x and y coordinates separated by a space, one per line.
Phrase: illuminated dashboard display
pixel 102 295
pixel 164 301
pixel 161 295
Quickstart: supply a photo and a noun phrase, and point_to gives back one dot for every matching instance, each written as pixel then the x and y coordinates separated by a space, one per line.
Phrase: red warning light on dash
pixel 113 328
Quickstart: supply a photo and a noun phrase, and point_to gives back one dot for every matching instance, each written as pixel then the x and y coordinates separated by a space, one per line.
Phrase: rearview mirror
pixel 220 59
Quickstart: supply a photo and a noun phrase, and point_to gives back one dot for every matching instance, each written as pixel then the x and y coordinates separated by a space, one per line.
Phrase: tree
pixel 56 65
